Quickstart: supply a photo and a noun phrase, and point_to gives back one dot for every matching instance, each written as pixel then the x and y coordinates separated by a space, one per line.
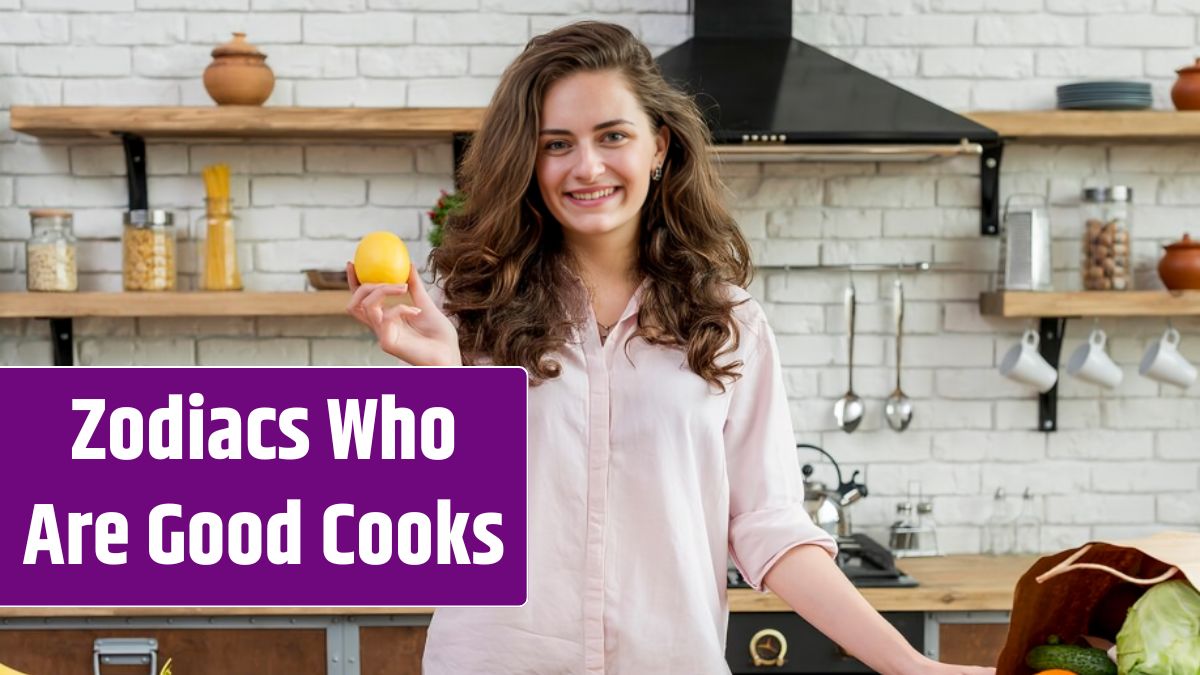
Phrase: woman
pixel 594 251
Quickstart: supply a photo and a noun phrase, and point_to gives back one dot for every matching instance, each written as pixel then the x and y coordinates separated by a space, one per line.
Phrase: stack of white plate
pixel 1107 95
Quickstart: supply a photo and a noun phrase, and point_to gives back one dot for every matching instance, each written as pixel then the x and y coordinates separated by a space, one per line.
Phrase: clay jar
pixel 1179 268
pixel 238 74
pixel 1186 92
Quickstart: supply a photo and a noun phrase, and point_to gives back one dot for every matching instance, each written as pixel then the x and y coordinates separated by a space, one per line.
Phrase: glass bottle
pixel 1106 261
pixel 148 251
pixel 998 531
pixel 219 267
pixel 50 263
pixel 1028 526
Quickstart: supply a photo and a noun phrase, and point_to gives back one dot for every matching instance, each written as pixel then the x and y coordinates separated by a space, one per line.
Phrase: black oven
pixel 765 637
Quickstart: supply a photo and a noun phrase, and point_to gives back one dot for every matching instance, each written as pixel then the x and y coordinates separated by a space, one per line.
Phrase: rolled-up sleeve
pixel 766 488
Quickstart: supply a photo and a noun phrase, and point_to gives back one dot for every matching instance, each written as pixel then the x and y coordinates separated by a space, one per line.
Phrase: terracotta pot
pixel 1186 92
pixel 1179 268
pixel 239 74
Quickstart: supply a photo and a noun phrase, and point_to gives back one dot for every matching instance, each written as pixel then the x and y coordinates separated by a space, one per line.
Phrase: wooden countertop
pixel 960 583
pixel 956 583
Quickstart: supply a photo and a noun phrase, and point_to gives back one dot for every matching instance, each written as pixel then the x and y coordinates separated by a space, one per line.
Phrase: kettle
pixel 826 507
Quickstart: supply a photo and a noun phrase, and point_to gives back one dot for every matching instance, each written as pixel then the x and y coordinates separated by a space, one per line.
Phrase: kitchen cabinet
pixel 959 612
pixel 195 652
pixel 391 650
pixel 971 644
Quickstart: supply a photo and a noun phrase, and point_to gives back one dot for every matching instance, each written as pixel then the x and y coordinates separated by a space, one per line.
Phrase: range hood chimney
pixel 767 96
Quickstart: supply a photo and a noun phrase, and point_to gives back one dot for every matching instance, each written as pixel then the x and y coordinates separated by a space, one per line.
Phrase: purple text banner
pixel 263 486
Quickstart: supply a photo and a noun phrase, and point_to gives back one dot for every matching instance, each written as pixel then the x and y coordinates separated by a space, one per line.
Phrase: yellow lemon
pixel 382 258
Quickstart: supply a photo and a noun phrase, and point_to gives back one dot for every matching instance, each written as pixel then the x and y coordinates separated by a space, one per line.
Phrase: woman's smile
pixel 592 197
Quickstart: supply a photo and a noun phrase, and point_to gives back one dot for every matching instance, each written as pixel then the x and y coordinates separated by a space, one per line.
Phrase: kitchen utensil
pixel 1164 363
pixel 826 507
pixel 1179 267
pixel 1090 362
pixel 1025 248
pixel 1024 364
pixel 238 74
pixel 898 409
pixel 327 280
pixel 1186 92
pixel 849 409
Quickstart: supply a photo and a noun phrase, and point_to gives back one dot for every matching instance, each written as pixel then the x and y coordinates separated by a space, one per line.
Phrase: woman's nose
pixel 590 165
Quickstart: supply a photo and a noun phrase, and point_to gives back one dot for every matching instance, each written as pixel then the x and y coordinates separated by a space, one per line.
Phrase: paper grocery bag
pixel 1088 590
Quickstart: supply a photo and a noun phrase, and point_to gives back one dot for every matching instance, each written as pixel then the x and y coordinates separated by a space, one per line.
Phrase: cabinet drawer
pixel 391 650
pixel 193 651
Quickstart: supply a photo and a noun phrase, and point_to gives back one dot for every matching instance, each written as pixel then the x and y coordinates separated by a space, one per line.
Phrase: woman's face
pixel 596 151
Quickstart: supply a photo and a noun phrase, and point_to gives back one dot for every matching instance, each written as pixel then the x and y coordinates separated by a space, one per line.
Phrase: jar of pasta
pixel 148 250
pixel 50 252
pixel 1106 263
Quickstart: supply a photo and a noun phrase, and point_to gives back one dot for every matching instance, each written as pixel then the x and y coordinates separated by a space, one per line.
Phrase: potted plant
pixel 446 204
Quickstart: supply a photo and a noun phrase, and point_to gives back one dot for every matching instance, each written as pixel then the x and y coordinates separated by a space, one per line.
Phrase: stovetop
pixel 864 561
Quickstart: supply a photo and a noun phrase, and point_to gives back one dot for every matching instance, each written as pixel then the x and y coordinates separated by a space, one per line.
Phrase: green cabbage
pixel 1161 634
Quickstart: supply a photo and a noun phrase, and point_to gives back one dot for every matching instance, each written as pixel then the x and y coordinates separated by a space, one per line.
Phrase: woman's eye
pixel 555 146
pixel 615 136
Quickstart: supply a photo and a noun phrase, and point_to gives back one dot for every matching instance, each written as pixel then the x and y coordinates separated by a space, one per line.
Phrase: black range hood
pixel 767 96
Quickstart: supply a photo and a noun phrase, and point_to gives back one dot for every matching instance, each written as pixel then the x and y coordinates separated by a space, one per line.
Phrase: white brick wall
pixel 1123 463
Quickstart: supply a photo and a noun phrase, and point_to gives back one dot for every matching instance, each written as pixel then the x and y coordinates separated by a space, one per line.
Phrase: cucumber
pixel 1079 660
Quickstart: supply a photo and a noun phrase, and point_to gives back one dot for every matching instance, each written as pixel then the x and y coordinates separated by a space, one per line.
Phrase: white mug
pixel 1164 363
pixel 1091 363
pixel 1024 364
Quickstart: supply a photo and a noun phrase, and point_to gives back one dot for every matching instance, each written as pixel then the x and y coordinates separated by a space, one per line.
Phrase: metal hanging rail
pixel 921 266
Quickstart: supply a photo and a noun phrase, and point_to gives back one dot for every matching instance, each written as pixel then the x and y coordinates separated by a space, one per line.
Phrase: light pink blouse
pixel 642 481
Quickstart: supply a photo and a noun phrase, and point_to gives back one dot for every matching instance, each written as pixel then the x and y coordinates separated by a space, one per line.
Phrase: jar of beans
pixel 1105 263
pixel 148 250
pixel 50 252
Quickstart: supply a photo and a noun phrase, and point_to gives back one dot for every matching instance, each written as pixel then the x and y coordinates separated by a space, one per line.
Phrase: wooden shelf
pixel 296 122
pixel 243 121
pixel 1092 125
pixel 1090 303
pixel 182 303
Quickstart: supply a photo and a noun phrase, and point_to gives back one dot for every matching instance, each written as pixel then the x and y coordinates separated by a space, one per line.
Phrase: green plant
pixel 446 204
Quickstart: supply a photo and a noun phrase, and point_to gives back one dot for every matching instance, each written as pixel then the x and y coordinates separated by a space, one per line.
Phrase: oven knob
pixel 768 647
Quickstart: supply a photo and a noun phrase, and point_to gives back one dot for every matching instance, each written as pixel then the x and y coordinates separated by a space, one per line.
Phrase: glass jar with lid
pixel 1106 261
pixel 50 253
pixel 148 250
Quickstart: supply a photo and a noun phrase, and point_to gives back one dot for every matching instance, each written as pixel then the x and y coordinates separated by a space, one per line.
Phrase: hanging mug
pixel 1024 364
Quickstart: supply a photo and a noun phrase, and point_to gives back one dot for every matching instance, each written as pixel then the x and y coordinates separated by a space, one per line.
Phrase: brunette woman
pixel 595 251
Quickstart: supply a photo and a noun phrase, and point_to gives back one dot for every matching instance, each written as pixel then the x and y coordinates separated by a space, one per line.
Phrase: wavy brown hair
pixel 502 264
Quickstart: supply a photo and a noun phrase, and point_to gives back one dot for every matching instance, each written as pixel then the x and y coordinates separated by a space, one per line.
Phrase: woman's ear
pixel 661 142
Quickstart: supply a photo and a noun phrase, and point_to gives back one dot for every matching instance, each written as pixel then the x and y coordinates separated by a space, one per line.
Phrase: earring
pixel 657 175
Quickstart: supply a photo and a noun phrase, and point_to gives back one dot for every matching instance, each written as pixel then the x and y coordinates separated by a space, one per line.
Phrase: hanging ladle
pixel 849 409
pixel 898 408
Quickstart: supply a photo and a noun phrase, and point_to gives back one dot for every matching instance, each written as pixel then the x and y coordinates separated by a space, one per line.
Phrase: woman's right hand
pixel 418 334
